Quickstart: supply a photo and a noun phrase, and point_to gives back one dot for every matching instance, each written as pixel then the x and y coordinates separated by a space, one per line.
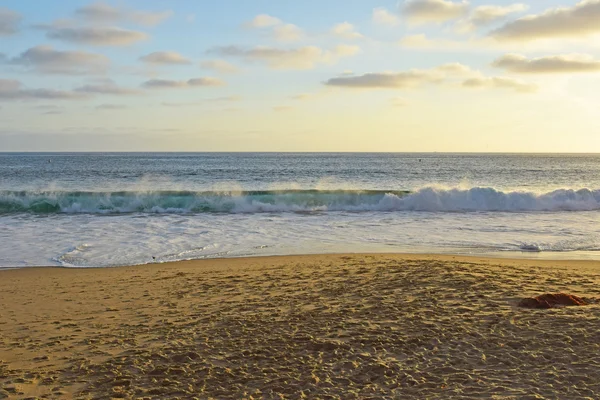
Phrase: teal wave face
pixel 188 202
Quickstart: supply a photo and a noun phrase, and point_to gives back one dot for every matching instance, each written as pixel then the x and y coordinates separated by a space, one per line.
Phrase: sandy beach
pixel 326 326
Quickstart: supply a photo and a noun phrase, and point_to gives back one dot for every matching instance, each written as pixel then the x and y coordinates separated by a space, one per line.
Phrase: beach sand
pixel 326 326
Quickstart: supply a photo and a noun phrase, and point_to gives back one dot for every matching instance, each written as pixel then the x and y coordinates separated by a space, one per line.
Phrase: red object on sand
pixel 551 300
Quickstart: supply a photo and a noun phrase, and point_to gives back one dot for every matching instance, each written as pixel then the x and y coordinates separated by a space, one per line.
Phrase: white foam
pixel 430 198
pixel 89 240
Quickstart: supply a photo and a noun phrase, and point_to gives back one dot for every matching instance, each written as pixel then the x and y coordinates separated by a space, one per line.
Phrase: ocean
pixel 113 209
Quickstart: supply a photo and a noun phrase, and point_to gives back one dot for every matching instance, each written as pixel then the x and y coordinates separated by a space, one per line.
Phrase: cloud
pixel 165 57
pixel 581 20
pixel 484 15
pixel 95 36
pixel 565 63
pixel 102 12
pixel 346 30
pixel 9 22
pixel 399 80
pixel 488 14
pixel 287 33
pixel 190 83
pixel 264 21
pixel 108 106
pixel 108 87
pixel 306 57
pixel 382 16
pixel 424 11
pixel 221 66
pixel 11 90
pixel 45 59
pixel 382 80
pixel 500 82
pixel 279 30
pixel 345 50
pixel 441 75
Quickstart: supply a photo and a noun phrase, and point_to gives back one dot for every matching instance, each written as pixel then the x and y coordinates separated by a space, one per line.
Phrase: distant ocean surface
pixel 112 209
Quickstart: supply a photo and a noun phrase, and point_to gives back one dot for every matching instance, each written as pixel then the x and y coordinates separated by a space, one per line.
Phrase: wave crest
pixel 426 199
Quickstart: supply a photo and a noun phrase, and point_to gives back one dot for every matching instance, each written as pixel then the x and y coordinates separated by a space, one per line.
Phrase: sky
pixel 326 75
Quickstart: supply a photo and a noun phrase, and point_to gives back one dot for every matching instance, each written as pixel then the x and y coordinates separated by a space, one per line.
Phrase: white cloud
pixel 581 20
pixel 501 83
pixel 564 63
pixel 102 12
pixel 11 90
pixel 96 36
pixel 190 83
pixel 44 59
pixel 287 33
pixel 107 87
pixel 488 14
pixel 264 21
pixel 346 30
pixel 165 57
pixel 306 57
pixel 279 30
pixel 9 22
pixel 446 74
pixel 221 66
pixel 484 15
pixel 400 80
pixel 382 16
pixel 424 11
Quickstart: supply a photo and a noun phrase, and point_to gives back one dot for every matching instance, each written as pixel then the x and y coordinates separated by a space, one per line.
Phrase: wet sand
pixel 326 326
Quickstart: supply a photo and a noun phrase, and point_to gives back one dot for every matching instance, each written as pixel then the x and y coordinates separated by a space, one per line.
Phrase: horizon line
pixel 290 152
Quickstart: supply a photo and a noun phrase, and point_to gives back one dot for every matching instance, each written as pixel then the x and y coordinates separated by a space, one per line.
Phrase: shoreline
pixel 486 258
pixel 343 326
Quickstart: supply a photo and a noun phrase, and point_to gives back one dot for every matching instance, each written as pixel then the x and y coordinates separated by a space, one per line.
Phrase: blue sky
pixel 415 75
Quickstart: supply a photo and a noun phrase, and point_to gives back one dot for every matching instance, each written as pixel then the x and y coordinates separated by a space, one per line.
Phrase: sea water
pixel 111 209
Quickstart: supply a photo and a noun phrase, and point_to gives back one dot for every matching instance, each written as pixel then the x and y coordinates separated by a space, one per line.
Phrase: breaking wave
pixel 426 199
